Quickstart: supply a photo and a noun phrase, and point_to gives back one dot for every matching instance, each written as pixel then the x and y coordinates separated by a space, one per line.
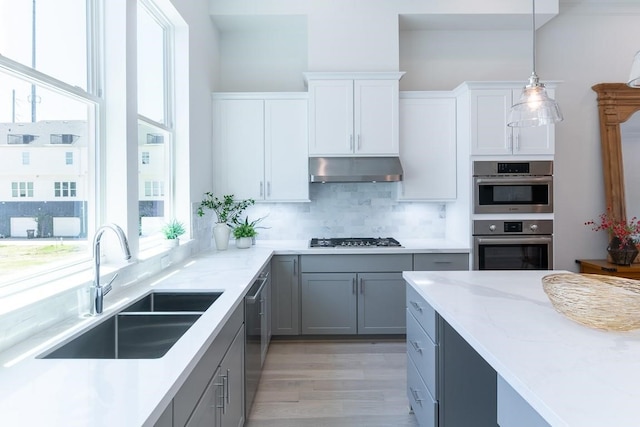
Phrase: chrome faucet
pixel 97 290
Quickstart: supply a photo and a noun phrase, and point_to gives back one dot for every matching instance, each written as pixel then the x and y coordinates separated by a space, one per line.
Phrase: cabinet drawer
pixel 424 406
pixel 350 263
pixel 440 262
pixel 423 352
pixel 423 312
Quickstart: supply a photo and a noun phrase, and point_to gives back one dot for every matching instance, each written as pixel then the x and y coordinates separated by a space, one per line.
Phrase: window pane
pixel 151 67
pixel 60 42
pixel 46 201
pixel 152 178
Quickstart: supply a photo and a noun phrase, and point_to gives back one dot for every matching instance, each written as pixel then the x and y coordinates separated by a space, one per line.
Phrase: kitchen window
pixel 155 121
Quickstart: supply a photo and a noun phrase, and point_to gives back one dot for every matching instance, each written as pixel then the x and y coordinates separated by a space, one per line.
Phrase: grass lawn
pixel 15 257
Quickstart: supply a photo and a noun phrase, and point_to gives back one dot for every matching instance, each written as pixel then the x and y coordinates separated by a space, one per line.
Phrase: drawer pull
pixel 416 306
pixel 415 395
pixel 416 346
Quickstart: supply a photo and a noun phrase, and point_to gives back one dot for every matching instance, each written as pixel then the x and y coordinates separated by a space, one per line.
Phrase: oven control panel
pixel 493 227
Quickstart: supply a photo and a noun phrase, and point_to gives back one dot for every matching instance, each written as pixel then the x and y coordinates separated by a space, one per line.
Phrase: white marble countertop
pixel 100 392
pixel 570 374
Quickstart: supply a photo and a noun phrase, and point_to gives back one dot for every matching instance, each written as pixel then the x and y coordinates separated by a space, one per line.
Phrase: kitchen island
pixel 569 374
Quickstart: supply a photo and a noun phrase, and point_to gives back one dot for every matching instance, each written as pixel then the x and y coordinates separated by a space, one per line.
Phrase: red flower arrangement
pixel 622 230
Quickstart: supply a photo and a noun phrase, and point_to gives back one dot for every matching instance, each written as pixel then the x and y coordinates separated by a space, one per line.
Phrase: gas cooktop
pixel 355 242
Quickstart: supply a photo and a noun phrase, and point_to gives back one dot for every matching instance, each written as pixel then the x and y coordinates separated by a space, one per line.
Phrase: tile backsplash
pixel 350 210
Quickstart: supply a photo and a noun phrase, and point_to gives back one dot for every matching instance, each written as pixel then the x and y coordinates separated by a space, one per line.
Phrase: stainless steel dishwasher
pixel 256 306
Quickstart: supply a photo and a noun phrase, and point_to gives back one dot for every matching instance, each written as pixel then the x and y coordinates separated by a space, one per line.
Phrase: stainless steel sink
pixel 128 336
pixel 173 301
pixel 145 329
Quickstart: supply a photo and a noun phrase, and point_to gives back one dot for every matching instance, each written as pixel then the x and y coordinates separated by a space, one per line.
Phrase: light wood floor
pixel 333 384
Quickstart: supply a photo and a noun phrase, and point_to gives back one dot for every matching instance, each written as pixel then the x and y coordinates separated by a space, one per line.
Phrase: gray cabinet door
pixel 381 303
pixel 329 303
pixel 231 373
pixel 208 412
pixel 285 300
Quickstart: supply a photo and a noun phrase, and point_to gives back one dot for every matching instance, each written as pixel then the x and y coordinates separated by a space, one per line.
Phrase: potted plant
pixel 244 234
pixel 227 212
pixel 623 236
pixel 172 230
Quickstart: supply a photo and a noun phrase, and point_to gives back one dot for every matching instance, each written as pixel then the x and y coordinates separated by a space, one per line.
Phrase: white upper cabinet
pixel 490 135
pixel 353 114
pixel 428 146
pixel 260 147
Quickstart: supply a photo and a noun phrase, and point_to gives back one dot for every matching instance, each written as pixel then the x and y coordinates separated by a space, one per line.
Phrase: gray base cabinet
pixel 216 384
pixel 353 294
pixel 448 383
pixel 285 296
pixel 514 411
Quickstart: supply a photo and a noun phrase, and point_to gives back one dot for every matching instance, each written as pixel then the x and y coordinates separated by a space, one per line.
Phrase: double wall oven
pixel 505 239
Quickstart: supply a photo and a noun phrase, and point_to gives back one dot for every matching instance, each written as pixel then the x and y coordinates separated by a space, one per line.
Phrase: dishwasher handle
pixel 263 277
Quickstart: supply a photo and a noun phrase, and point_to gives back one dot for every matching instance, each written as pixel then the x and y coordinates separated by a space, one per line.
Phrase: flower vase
pixel 243 242
pixel 622 253
pixel 221 233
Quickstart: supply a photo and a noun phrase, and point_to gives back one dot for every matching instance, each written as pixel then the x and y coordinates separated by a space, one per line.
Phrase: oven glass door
pixel 513 195
pixel 513 253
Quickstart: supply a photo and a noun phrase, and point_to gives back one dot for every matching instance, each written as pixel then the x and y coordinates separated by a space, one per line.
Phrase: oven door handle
pixel 512 240
pixel 515 180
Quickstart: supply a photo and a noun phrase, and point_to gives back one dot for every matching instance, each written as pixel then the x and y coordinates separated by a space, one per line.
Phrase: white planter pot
pixel 172 243
pixel 221 232
pixel 243 242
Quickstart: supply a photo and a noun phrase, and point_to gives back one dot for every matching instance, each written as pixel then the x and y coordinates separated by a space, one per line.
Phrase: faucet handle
pixel 107 288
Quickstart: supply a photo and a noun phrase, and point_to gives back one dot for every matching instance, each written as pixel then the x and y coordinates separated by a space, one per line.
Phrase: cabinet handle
pixel 415 395
pixel 442 262
pixel 294 267
pixel 361 286
pixel 224 388
pixel 221 397
pixel 268 188
pixel 416 346
pixel 353 285
pixel 227 378
pixel 261 307
pixel 517 142
pixel 359 142
pixel 351 145
pixel 261 188
pixel 416 306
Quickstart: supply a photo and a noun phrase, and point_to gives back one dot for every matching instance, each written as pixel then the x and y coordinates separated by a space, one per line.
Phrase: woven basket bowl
pixel 603 302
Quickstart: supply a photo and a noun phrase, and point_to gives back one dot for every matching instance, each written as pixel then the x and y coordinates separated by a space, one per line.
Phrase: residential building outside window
pixel 22 189
pixel 64 189
pixel 68 158
pixel 25 158
pixel 145 157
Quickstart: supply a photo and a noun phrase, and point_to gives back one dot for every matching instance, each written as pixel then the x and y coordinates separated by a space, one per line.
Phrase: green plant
pixel 227 209
pixel 244 229
pixel 173 229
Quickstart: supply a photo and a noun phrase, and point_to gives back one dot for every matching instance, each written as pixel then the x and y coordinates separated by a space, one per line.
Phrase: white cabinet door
pixel 286 150
pixel 376 117
pixel 489 111
pixel 239 151
pixel 356 116
pixel 331 117
pixel 490 135
pixel 428 148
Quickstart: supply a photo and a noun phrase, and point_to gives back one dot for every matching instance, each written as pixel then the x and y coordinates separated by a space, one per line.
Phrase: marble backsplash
pixel 348 210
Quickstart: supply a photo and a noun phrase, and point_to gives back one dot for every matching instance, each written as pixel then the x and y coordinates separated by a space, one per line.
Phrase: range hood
pixel 354 169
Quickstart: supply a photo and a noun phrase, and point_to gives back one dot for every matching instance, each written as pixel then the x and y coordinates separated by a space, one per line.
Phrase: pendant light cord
pixel 533 25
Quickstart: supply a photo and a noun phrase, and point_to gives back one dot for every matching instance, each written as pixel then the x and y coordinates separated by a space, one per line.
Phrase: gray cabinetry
pixel 440 262
pixel 231 376
pixel 448 383
pixel 513 410
pixel 285 299
pixel 193 402
pixel 166 419
pixel 353 294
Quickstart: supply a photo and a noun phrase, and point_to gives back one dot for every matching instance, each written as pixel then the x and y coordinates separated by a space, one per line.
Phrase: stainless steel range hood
pixel 354 169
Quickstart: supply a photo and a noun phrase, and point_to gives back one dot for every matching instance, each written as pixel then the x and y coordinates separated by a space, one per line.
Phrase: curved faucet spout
pixel 97 290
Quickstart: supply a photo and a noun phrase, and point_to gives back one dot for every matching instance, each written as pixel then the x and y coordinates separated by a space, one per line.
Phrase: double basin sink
pixel 145 329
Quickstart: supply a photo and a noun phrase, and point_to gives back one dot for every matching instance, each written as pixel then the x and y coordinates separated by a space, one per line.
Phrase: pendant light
pixel 634 77
pixel 534 108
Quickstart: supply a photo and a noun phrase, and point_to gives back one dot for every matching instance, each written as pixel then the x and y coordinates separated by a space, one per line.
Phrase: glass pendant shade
pixel 534 108
pixel 634 77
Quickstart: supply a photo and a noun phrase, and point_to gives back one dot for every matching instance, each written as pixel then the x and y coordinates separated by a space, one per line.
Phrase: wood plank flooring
pixel 333 384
